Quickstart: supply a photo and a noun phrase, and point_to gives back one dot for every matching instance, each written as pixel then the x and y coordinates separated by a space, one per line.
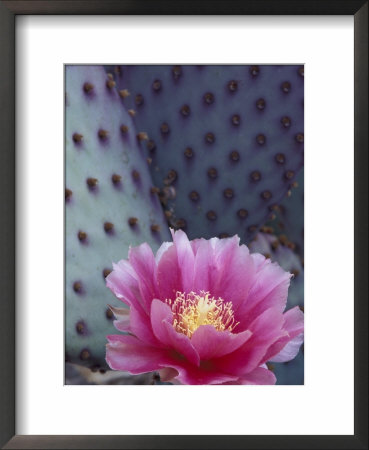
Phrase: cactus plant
pixel 289 215
pixel 226 142
pixel 109 206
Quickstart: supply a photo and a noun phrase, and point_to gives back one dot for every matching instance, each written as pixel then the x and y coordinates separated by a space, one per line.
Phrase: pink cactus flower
pixel 202 312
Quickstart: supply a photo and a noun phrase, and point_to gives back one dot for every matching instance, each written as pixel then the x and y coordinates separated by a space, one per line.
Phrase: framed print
pixel 188 237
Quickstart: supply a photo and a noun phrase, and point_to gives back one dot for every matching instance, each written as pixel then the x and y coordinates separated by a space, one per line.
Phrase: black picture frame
pixel 8 11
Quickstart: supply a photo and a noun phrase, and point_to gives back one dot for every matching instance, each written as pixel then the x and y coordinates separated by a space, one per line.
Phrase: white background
pixel 325 404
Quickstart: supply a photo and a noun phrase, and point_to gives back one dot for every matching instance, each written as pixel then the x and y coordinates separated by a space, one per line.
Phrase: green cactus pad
pixel 226 142
pixel 109 207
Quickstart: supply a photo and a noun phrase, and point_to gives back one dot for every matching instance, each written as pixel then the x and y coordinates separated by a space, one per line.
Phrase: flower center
pixel 193 310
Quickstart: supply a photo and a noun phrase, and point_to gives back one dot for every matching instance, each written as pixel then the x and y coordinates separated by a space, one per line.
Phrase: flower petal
pixel 259 376
pixel 186 259
pixel 290 350
pixel 195 244
pixel 122 281
pixel 288 346
pixel 122 318
pixel 130 354
pixel 140 326
pixel 269 290
pixel 232 284
pixel 259 261
pixel 211 343
pixel 168 274
pixel 204 266
pixel 161 250
pixel 143 262
pixel 162 325
pixel 119 313
pixel 189 374
pixel 167 374
pixel 266 329
pixel 134 321
pixel 221 266
pixel 294 321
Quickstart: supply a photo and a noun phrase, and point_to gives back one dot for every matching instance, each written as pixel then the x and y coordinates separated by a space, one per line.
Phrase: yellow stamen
pixel 193 310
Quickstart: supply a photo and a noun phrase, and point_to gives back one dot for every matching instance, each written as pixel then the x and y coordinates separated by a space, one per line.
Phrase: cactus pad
pixel 109 206
pixel 226 142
